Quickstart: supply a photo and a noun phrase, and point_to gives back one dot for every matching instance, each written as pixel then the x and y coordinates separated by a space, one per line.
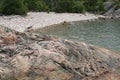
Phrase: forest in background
pixel 21 7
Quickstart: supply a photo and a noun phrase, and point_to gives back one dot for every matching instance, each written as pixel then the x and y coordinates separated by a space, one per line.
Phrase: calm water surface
pixel 104 33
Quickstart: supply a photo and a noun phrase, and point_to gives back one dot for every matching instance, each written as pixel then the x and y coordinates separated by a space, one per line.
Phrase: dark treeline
pixel 21 7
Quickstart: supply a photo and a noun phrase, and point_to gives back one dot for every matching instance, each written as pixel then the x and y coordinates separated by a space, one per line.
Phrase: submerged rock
pixel 36 57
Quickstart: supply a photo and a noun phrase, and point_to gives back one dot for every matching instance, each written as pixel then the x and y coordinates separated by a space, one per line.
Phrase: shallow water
pixel 104 33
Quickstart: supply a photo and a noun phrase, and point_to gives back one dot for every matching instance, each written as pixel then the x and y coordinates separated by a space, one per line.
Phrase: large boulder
pixel 52 58
pixel 117 12
pixel 111 9
pixel 108 5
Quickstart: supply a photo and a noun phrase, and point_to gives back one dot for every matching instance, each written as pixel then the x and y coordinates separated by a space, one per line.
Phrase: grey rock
pixel 108 5
pixel 53 58
pixel 117 12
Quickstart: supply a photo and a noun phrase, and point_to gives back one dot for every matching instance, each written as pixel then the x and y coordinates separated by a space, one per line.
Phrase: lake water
pixel 104 33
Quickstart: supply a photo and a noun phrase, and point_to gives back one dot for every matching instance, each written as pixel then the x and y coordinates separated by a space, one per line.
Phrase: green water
pixel 104 33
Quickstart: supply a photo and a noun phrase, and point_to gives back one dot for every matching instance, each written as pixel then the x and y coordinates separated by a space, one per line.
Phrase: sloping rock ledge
pixel 29 56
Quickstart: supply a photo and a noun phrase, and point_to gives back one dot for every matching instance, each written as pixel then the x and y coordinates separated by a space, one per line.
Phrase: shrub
pixel 41 6
pixel 1 2
pixel 65 6
pixel 94 5
pixel 0 8
pixel 78 7
pixel 14 7
pixel 36 5
pixel 117 3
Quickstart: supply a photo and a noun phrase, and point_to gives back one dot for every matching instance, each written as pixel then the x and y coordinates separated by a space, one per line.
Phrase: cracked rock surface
pixel 29 56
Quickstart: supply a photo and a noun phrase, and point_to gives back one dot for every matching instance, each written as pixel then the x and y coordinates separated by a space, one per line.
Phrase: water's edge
pixel 104 33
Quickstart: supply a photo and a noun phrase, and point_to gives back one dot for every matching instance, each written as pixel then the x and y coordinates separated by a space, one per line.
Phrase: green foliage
pixel 9 7
pixel 36 5
pixel 78 7
pixel 41 6
pixel 94 5
pixel 1 2
pixel 0 8
pixel 14 7
pixel 65 6
pixel 117 2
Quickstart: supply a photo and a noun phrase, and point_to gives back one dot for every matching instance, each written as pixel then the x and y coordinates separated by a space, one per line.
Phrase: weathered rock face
pixel 35 57
pixel 111 9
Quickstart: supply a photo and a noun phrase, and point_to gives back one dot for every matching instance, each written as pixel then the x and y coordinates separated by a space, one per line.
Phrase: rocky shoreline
pixel 35 20
pixel 42 19
pixel 30 56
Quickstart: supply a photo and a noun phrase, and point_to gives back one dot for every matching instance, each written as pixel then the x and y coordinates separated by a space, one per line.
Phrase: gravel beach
pixel 42 19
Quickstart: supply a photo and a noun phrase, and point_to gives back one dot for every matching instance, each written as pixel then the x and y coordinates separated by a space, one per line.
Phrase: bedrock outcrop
pixel 112 9
pixel 29 56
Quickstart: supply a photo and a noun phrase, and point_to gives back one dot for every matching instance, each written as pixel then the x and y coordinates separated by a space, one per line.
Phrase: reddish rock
pixel 10 38
pixel 37 58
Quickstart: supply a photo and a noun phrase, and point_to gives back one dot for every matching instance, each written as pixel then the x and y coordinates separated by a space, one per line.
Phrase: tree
pixel 78 7
pixel 52 4
pixel 65 6
pixel 1 2
pixel 36 5
pixel 94 5
pixel 41 6
pixel 14 7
